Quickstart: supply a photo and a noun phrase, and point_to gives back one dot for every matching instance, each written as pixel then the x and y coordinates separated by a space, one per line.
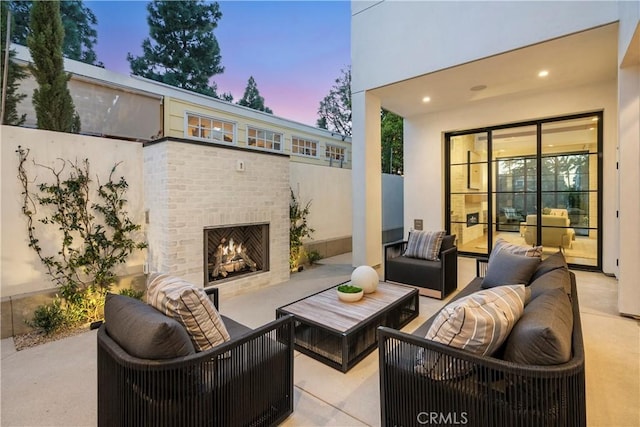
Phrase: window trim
pixel 212 118
pixel 255 147
pixel 344 153
pixel 306 156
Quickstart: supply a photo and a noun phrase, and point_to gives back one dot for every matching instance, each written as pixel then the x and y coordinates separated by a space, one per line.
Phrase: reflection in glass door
pixel 468 192
pixel 530 184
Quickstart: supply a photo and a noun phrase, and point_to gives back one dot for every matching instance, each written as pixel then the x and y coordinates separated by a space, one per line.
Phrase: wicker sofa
pixel 245 381
pixel 480 390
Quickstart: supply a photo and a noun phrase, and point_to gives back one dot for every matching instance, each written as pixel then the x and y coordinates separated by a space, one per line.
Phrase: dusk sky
pixel 293 49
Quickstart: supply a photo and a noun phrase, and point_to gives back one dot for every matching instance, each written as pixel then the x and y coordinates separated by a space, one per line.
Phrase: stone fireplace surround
pixel 191 186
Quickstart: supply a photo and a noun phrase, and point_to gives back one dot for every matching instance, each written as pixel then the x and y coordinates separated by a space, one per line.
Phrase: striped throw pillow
pixel 478 323
pixel 503 245
pixel 190 306
pixel 424 244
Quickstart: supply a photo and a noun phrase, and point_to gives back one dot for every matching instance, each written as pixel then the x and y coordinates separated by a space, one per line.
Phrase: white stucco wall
pixel 22 271
pixel 424 144
pixel 329 191
pixel 439 34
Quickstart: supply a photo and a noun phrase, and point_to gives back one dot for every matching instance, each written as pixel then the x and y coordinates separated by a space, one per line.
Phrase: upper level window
pixel 304 147
pixel 210 128
pixel 264 139
pixel 334 152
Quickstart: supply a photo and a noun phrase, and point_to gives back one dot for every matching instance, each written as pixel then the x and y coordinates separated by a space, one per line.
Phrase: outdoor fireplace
pixel 235 250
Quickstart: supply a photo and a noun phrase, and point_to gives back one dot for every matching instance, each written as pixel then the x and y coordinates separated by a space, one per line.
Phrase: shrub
pixel 49 317
pixel 314 256
pixel 133 293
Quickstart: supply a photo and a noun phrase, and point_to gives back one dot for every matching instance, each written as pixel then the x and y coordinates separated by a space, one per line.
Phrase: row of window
pixel 223 131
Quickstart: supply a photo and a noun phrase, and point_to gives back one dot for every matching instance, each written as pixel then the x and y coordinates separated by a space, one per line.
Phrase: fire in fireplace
pixel 233 251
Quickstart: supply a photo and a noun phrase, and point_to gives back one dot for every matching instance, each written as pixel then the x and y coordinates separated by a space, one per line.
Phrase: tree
pixel 252 98
pixel 51 100
pixel 335 115
pixel 392 142
pixel 15 73
pixel 79 23
pixel 335 109
pixel 182 50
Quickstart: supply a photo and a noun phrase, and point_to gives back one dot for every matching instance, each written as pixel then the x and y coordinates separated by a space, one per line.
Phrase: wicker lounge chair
pixel 245 381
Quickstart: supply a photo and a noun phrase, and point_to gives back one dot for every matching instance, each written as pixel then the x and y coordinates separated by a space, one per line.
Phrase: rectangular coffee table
pixel 341 334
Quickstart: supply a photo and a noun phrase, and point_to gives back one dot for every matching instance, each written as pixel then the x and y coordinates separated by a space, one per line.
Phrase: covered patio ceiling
pixel 583 58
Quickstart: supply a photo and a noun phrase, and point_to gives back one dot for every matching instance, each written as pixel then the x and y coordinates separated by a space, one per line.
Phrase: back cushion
pixel 144 332
pixel 448 242
pixel 542 336
pixel 554 279
pixel 190 306
pixel 552 262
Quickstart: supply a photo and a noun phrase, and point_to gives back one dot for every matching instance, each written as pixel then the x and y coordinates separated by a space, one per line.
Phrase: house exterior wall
pixel 175 126
pixel 424 149
pixel 435 35
pixel 22 271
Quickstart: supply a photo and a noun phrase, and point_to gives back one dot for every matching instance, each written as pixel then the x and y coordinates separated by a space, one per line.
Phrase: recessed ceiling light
pixel 478 88
pixel 426 99
pixel 592 128
pixel 543 73
pixel 595 119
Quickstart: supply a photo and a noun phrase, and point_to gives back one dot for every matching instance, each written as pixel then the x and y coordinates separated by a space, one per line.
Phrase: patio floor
pixel 55 384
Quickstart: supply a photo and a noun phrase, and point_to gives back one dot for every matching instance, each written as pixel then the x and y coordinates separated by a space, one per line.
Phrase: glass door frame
pixel 539 158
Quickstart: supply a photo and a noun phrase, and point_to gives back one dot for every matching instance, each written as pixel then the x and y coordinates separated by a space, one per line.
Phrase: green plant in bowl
pixel 348 289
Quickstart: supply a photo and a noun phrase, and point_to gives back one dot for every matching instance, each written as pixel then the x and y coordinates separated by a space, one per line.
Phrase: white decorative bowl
pixel 350 297
pixel 365 277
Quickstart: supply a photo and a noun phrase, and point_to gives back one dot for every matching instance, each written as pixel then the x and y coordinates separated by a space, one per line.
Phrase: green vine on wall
pixel 96 236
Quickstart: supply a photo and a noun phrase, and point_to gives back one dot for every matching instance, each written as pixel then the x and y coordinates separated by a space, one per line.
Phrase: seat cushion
pixel 414 271
pixel 542 336
pixel 424 244
pixel 190 306
pixel 144 332
pixel 506 268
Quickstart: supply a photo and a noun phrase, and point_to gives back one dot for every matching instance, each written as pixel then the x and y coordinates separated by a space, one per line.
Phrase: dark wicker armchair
pixel 436 279
pixel 479 390
pixel 245 381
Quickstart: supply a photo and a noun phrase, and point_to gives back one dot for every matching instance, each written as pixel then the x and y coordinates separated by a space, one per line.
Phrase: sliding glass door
pixel 536 183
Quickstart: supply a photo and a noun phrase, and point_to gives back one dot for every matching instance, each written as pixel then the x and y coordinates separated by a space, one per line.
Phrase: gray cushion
pixel 552 262
pixel 448 242
pixel 508 269
pixel 542 336
pixel 144 332
pixel 554 279
pixel 502 245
